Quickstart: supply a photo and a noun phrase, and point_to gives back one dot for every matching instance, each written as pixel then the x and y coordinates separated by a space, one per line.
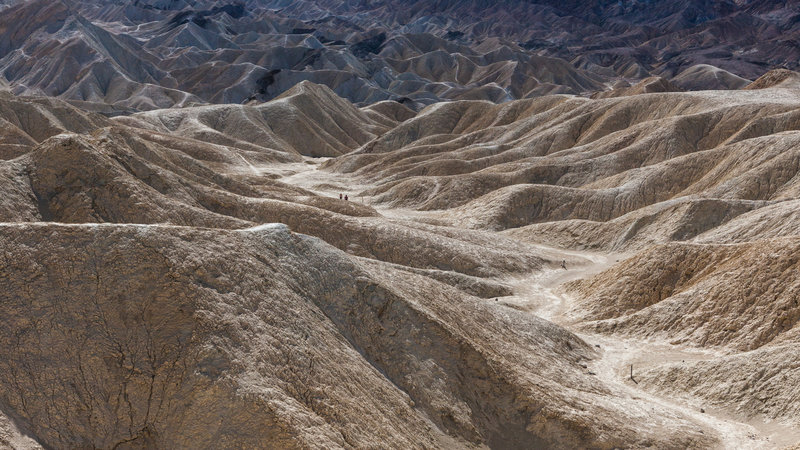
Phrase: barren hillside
pixel 120 57
pixel 554 272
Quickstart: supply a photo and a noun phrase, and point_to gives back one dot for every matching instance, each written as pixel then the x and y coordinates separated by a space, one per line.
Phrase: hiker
pixel 345 197
pixel 340 196
pixel 564 264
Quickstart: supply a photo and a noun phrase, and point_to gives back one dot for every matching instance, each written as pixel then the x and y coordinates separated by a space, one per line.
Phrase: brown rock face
pixel 700 294
pixel 167 336
pixel 164 342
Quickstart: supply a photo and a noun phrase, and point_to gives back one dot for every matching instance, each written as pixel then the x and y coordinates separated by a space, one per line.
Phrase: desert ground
pixel 285 224
pixel 553 272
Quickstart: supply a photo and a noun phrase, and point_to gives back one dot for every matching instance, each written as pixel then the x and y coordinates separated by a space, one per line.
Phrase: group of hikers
pixel 345 197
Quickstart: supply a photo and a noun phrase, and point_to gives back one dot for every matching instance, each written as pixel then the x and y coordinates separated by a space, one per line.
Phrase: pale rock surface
pixel 699 294
pixel 702 77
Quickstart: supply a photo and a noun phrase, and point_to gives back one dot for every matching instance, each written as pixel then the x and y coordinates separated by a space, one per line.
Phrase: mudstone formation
pixel 569 225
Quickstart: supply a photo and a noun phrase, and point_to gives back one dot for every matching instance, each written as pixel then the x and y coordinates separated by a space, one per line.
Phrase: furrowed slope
pixel 154 54
pixel 158 294
pixel 73 179
pixel 30 120
pixel 220 326
pixel 147 56
pixel 700 294
pixel 741 299
pixel 308 119
pixel 596 172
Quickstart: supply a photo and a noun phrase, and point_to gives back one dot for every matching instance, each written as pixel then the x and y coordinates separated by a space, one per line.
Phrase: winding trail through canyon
pixel 541 293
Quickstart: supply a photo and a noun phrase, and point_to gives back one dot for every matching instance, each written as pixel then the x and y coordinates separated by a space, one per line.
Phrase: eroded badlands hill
pixel 593 173
pixel 190 278
pixel 136 56
pixel 120 56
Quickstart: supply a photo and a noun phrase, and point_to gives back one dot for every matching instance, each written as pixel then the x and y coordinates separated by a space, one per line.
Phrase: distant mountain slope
pixel 154 54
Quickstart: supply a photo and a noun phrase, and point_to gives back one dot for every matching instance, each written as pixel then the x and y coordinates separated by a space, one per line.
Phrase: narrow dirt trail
pixel 542 293
pixel 308 176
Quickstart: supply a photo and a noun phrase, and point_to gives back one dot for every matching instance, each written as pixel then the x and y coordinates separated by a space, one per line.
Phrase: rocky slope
pixel 121 57
pixel 189 277
pixel 184 326
pixel 604 172
pixel 149 55
pixel 740 298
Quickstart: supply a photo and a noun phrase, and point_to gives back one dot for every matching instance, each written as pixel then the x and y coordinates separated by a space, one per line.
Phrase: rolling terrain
pixel 553 272
pixel 120 57
pixel 384 224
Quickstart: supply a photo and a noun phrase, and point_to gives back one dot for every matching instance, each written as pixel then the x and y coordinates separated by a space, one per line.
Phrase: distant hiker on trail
pixel 345 197
pixel 340 196
pixel 564 264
